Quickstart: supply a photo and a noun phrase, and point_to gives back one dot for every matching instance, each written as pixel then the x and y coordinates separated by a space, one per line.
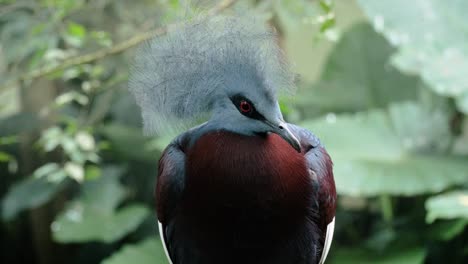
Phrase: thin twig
pixel 116 49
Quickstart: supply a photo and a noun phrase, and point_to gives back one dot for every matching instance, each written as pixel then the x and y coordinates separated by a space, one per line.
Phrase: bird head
pixel 247 110
pixel 227 70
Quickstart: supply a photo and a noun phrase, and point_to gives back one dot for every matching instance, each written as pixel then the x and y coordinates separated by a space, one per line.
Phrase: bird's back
pixel 248 199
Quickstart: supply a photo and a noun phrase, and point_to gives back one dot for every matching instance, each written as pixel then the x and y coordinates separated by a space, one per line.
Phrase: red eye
pixel 245 107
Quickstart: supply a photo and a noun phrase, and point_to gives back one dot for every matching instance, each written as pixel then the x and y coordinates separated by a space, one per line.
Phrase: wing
pixel 170 186
pixel 321 172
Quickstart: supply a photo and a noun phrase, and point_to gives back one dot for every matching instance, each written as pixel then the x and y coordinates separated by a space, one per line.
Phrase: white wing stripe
pixel 163 241
pixel 328 240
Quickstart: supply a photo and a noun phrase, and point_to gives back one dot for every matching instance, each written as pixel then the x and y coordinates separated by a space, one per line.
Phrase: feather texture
pixel 176 79
pixel 230 198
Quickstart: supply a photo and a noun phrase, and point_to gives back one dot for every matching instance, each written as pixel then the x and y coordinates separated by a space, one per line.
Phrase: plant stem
pixel 386 206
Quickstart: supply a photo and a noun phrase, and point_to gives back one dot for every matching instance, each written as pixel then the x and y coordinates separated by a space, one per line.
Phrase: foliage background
pixel 384 84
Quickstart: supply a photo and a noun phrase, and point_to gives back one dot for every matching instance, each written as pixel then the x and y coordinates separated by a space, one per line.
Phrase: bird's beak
pixel 283 131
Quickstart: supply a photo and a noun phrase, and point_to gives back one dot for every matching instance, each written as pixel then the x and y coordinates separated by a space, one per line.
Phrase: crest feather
pixel 177 78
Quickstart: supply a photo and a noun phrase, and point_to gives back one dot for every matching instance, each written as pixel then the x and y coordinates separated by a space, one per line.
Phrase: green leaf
pixel 5 157
pixel 74 171
pixel 102 37
pixel 429 136
pixel 72 96
pixel 149 251
pixel 449 229
pixel 449 205
pixel 76 30
pixel 75 35
pixel 462 103
pixel 28 193
pixel 362 256
pixel 46 170
pixel 431 37
pixel 372 159
pixel 326 5
pixel 104 193
pixel 8 140
pixel 357 75
pixel 92 172
pixel 94 217
pixel 129 142
pixel 80 224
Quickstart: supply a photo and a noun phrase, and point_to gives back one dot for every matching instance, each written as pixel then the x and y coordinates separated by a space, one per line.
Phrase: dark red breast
pixel 261 168
pixel 250 192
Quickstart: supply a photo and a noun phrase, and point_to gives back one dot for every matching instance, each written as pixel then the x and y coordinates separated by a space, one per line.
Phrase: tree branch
pixel 116 49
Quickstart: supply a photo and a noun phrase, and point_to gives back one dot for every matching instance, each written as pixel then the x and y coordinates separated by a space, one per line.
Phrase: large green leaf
pixel 362 256
pixel 357 75
pixel 94 215
pixel 431 36
pixel 373 155
pixel 81 224
pixel 28 193
pixel 447 206
pixel 149 251
pixel 129 142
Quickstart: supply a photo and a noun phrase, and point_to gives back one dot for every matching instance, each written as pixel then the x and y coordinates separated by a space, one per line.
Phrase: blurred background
pixel 383 83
